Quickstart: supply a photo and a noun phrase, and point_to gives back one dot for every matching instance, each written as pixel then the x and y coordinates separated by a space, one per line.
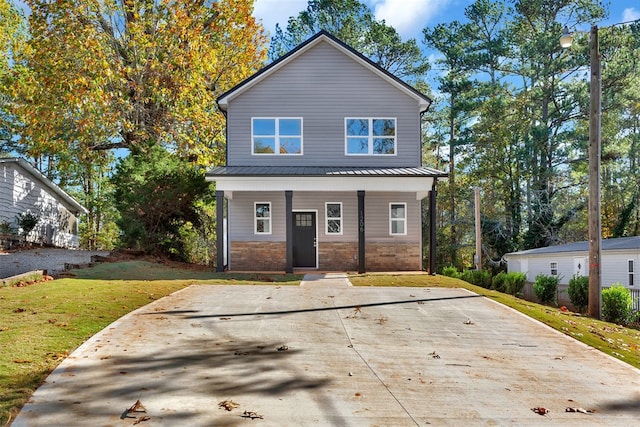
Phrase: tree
pixel 157 193
pixel 353 22
pixel 137 74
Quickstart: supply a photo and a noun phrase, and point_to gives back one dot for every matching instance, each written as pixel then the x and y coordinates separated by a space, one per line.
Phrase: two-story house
pixel 324 166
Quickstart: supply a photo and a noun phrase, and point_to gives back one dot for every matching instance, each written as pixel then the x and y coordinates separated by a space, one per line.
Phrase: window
pixel 554 268
pixel 398 218
pixel 276 135
pixel 370 136
pixel 333 218
pixel 630 272
pixel 262 219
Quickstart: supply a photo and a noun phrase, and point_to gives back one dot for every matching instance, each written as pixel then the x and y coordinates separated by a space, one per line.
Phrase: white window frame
pixel 392 220
pixel 256 218
pixel 277 136
pixel 631 270
pixel 327 218
pixel 553 267
pixel 370 137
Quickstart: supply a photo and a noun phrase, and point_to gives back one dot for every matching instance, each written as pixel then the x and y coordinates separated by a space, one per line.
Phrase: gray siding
pixel 20 192
pixel 376 215
pixel 323 86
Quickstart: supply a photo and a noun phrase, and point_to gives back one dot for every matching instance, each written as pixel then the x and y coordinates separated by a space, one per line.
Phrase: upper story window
pixel 398 219
pixel 274 135
pixel 370 136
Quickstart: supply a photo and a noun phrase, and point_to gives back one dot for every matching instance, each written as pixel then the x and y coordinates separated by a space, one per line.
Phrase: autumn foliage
pixel 133 74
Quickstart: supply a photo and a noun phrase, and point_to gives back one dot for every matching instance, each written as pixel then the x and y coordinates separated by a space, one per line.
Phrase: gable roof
pixel 323 36
pixel 47 183
pixel 620 243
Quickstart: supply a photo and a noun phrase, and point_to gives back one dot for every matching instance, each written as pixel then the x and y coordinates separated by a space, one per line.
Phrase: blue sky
pixel 409 17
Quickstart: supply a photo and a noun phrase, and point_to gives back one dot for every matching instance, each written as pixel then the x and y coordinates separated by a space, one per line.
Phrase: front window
pixel 398 219
pixel 553 266
pixel 276 135
pixel 334 218
pixel 262 218
pixel 630 264
pixel 370 136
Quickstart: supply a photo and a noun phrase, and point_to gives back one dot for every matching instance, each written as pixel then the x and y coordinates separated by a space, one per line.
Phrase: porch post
pixel 219 231
pixel 432 229
pixel 361 260
pixel 288 198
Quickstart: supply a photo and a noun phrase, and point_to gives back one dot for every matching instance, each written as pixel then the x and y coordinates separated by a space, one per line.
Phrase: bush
pixel 514 282
pixel 579 292
pixel 499 282
pixel 545 287
pixel 477 277
pixel 451 271
pixel 617 304
pixel 27 221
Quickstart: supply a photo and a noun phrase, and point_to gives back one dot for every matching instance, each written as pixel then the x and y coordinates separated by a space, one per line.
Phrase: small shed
pixel 618 261
pixel 23 188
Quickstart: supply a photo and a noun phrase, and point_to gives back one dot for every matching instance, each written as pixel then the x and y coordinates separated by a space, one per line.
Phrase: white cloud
pixel 408 17
pixel 273 12
pixel 630 14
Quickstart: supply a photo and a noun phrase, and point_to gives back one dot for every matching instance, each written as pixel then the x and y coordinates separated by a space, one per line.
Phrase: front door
pixel 304 239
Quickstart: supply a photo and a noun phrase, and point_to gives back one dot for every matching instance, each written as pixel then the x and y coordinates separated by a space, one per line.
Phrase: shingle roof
pixel 620 243
pixel 314 171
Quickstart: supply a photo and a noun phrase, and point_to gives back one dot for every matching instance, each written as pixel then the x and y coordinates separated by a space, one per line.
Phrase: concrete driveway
pixel 327 354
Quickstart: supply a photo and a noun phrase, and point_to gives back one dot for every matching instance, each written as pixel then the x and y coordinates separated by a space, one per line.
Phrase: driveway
pixel 333 355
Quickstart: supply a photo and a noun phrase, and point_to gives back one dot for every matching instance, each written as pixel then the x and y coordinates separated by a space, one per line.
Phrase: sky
pixel 409 17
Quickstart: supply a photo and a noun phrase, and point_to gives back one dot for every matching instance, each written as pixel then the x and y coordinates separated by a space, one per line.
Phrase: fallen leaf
pixel 580 410
pixel 283 348
pixel 19 310
pixel 540 410
pixel 137 407
pixel 229 405
pixel 252 415
pixel 141 419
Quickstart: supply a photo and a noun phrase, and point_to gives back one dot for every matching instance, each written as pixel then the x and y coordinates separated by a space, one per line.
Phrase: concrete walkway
pixel 329 354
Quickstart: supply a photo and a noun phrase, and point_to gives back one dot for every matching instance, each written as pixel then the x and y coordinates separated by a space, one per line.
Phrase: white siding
pixel 20 192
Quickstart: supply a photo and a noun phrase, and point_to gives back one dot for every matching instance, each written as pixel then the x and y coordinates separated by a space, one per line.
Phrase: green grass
pixel 42 323
pixel 617 341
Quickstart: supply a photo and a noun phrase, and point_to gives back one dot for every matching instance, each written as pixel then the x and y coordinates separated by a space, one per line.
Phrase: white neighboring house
pixel 23 188
pixel 620 259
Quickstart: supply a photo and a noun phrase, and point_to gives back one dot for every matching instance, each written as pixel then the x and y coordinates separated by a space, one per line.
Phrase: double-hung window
pixel 398 219
pixel 276 135
pixel 333 218
pixel 630 268
pixel 553 266
pixel 370 136
pixel 262 217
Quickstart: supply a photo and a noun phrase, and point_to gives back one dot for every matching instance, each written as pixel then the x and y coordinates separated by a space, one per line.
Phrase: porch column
pixel 432 229
pixel 361 260
pixel 288 211
pixel 219 231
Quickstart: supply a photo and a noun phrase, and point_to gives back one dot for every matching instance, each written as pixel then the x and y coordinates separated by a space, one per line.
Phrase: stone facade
pixel 258 256
pixel 386 256
pixel 338 256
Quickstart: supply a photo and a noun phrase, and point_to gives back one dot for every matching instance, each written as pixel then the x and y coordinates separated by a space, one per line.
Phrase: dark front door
pixel 304 239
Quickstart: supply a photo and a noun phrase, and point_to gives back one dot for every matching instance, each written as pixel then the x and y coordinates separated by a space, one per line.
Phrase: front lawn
pixel 42 323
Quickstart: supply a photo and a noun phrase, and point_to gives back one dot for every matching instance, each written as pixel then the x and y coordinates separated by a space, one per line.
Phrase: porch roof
pixel 317 171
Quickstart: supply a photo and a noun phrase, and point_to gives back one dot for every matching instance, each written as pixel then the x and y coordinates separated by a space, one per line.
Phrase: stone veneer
pixel 387 256
pixel 258 256
pixel 338 256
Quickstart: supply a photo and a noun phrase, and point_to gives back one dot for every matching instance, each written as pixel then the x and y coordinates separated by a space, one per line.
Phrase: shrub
pixel 27 221
pixel 499 282
pixel 450 271
pixel 514 282
pixel 545 287
pixel 579 292
pixel 617 304
pixel 477 277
